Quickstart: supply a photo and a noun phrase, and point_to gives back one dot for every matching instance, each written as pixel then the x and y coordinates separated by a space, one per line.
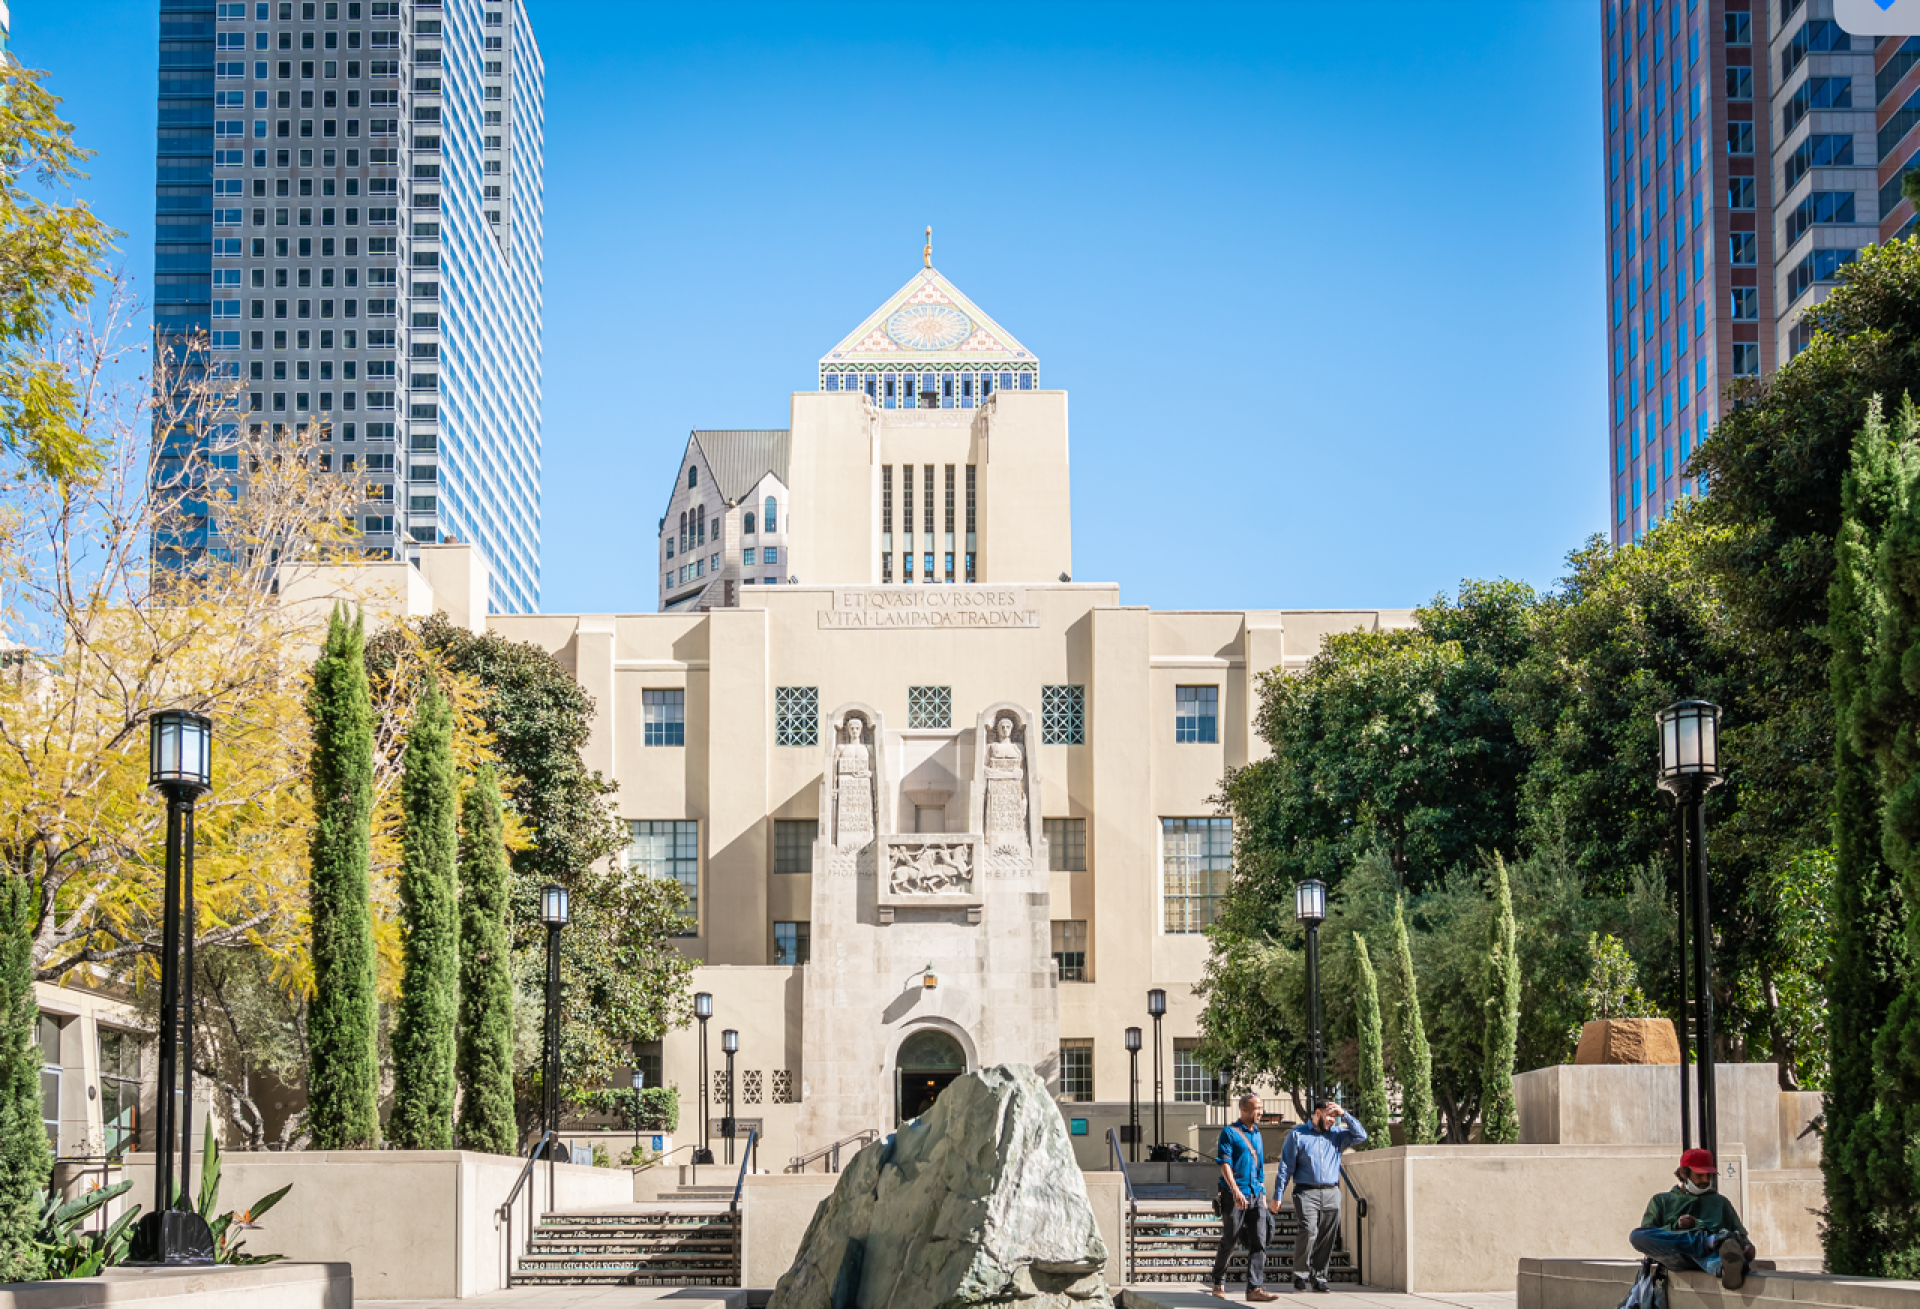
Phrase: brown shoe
pixel 1220 1290
pixel 1733 1263
pixel 1259 1293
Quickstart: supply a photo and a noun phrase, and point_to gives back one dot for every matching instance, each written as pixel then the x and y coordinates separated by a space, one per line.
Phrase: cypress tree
pixel 1373 1068
pixel 423 1037
pixel 1412 1059
pixel 343 1061
pixel 1867 961
pixel 1891 707
pixel 486 986
pixel 1499 1120
pixel 25 1161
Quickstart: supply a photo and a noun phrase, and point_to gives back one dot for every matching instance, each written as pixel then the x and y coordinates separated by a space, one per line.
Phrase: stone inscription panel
pixel 929 606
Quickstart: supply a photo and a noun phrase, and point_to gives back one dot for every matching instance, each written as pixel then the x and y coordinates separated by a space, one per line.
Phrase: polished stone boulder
pixel 979 1202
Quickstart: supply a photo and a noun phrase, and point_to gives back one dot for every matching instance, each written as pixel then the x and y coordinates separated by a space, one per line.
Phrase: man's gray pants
pixel 1318 1211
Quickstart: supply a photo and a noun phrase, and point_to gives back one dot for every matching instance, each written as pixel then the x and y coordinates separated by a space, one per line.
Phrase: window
pixel 666 717
pixel 1070 948
pixel 1820 266
pixel 47 1037
pixel 1815 36
pixel 929 707
pixel 1192 1083
pixel 1196 713
pixel 770 554
pixel 1739 30
pixel 1819 152
pixel 790 944
pixel 746 527
pixel 1743 248
pixel 120 1090
pixel 746 555
pixel 793 840
pixel 1066 844
pixel 693 476
pixel 1063 715
pixel 1740 193
pixel 1819 207
pixel 1076 1069
pixel 1739 138
pixel 669 849
pixel 1740 82
pixel 796 714
pixel 1822 93
pixel 770 516
pixel 1196 856
pixel 1746 359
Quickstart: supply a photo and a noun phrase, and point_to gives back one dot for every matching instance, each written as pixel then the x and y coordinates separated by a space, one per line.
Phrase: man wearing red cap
pixel 1694 1226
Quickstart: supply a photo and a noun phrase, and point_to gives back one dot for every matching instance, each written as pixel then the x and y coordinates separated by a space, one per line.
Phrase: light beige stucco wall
pixel 415 1224
pixel 777 1211
pixel 1459 1217
pixel 1639 1104
pixel 1784 1219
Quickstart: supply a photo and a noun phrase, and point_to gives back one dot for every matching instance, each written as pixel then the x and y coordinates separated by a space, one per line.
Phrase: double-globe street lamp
pixel 554 913
pixel 703 1010
pixel 1157 1009
pixel 730 1043
pixel 1689 768
pixel 180 766
pixel 1310 907
pixel 1133 1094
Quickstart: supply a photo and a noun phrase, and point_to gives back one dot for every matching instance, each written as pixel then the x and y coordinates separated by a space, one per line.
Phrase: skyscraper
pixel 1741 139
pixel 349 205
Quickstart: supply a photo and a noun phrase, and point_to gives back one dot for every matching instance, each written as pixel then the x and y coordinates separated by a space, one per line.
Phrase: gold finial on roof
pixel 927 254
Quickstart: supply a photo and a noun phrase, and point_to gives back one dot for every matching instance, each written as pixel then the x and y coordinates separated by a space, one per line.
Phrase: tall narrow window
pixel 669 850
pixel 950 506
pixel 1196 714
pixel 1070 948
pixel 770 516
pixel 48 1035
pixel 906 521
pixel 666 717
pixel 1196 858
pixel 926 504
pixel 972 540
pixel 120 1091
pixel 1076 1069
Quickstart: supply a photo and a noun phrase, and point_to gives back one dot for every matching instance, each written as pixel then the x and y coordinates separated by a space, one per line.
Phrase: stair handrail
pixel 865 1136
pixel 533 1155
pixel 748 1153
pixel 1126 1182
pixel 1359 1225
pixel 505 1211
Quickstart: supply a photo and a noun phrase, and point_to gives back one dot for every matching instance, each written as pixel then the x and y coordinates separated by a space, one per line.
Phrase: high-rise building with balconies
pixel 349 207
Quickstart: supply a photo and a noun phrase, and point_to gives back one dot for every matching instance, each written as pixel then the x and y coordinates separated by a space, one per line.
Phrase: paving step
pixel 664 1246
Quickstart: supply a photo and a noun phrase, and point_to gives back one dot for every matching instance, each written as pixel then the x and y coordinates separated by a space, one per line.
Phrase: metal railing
pixel 831 1153
pixel 1359 1226
pixel 1119 1157
pixel 504 1213
pixel 749 1154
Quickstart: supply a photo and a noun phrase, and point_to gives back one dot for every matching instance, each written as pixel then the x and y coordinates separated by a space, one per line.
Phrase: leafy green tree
pixel 1369 1048
pixel 1499 1121
pixel 51 260
pixel 486 978
pixel 1612 988
pixel 1885 724
pixel 343 1063
pixel 25 1161
pixel 1412 1059
pixel 1867 909
pixel 423 1037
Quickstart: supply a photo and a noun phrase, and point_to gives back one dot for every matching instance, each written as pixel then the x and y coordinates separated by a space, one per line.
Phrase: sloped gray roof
pixel 739 459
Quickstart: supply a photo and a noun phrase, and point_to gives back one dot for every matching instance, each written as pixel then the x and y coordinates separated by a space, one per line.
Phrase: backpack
pixel 1222 1193
pixel 1649 1289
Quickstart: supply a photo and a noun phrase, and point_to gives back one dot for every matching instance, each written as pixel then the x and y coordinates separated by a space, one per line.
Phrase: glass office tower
pixel 349 205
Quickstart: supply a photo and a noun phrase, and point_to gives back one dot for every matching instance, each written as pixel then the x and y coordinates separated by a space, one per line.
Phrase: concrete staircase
pixel 1172 1239
pixel 680 1242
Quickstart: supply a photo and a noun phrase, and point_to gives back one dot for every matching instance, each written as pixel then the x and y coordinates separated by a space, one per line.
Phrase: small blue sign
pixel 1077 1126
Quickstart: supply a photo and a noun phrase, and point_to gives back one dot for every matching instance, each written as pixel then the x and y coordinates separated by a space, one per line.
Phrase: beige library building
pixel 935 802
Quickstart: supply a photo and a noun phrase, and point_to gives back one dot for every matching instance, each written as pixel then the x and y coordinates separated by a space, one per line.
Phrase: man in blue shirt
pixel 1310 1159
pixel 1243 1183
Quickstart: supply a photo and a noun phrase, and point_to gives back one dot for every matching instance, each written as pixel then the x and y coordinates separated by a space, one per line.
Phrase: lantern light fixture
pixel 703 1004
pixel 553 905
pixel 1133 1040
pixel 1689 745
pixel 1310 901
pixel 180 751
pixel 730 1041
pixel 1156 1002
pixel 639 1080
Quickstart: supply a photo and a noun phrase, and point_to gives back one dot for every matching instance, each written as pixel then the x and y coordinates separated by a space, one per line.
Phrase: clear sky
pixel 1325 283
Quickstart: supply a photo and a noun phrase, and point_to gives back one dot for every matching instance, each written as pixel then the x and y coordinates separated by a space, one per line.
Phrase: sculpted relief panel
pixel 930 866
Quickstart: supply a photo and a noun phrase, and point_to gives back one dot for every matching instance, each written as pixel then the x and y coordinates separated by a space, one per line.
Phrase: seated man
pixel 1694 1226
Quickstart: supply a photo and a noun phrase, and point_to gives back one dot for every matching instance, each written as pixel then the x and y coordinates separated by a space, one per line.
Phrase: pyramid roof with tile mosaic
pixel 928 323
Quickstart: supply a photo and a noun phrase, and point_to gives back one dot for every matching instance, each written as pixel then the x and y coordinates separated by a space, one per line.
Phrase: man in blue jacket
pixel 1243 1186
pixel 1310 1159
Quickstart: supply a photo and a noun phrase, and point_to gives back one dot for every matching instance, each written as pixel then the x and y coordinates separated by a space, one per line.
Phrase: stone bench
pixel 1603 1284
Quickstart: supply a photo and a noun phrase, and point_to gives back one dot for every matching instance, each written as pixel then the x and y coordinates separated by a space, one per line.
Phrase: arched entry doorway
pixel 927 1062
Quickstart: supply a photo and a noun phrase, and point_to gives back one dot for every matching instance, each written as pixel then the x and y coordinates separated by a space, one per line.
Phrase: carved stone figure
pixel 1006 809
pixel 936 868
pixel 853 788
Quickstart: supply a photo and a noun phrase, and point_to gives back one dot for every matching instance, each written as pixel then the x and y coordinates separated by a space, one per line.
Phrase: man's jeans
pixel 1252 1226
pixel 1318 1209
pixel 1681 1252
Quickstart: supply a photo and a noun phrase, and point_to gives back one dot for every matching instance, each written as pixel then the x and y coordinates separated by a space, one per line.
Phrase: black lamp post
pixel 639 1082
pixel 1133 1093
pixel 1689 768
pixel 1310 907
pixel 553 912
pixel 1157 1009
pixel 730 1043
pixel 180 765
pixel 703 1010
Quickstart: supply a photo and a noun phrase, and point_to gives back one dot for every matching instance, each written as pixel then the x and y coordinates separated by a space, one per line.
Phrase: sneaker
pixel 1733 1263
pixel 1321 1288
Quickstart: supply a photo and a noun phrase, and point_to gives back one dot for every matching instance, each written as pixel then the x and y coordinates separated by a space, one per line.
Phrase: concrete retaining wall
pixel 415 1224
pixel 1602 1284
pixel 265 1286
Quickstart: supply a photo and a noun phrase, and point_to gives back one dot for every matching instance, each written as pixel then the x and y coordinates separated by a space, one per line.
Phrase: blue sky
pixel 1325 283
